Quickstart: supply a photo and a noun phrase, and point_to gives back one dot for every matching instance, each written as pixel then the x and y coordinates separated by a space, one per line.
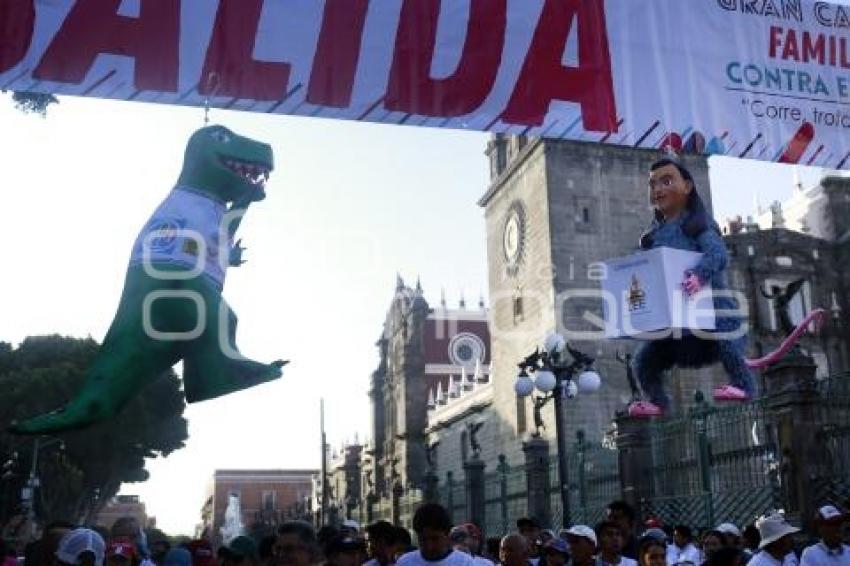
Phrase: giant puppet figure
pixel 682 221
pixel 171 308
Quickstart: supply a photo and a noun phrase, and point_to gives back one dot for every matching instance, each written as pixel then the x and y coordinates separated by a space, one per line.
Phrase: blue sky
pixel 349 206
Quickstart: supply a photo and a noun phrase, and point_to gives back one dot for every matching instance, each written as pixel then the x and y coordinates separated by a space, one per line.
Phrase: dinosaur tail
pixel 817 316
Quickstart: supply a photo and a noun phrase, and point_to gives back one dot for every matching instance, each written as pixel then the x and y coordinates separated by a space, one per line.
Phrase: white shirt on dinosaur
pixel 185 230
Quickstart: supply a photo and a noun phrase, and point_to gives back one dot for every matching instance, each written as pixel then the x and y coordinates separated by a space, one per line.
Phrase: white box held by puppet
pixel 644 295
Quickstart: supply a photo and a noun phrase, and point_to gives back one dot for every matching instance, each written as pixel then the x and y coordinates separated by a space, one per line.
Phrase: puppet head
pixel 670 188
pixel 673 193
pixel 226 166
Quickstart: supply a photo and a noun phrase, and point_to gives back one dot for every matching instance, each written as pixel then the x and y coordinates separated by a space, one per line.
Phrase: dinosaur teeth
pixel 254 173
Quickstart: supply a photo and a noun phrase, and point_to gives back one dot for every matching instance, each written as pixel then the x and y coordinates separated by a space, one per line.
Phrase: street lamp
pixel 33 482
pixel 550 372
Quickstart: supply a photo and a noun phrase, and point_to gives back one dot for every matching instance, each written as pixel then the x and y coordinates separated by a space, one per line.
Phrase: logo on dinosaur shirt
pixel 162 237
pixel 184 230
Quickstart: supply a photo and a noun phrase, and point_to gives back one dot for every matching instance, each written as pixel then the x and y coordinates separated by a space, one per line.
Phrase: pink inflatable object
pixel 817 316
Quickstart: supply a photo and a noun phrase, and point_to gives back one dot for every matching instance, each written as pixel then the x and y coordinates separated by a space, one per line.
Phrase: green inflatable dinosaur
pixel 171 308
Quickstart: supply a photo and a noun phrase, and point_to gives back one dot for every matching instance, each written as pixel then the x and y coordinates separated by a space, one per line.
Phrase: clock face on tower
pixel 511 242
pixel 513 237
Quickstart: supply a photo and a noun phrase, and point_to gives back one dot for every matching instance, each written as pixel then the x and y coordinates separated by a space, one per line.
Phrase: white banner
pixel 761 79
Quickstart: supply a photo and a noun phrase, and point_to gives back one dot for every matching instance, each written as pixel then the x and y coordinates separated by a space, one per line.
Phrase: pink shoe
pixel 730 393
pixel 645 409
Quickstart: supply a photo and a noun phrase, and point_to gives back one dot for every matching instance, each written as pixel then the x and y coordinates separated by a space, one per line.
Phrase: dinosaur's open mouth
pixel 254 173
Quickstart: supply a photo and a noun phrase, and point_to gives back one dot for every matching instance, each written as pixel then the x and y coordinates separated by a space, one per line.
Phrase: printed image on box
pixel 644 296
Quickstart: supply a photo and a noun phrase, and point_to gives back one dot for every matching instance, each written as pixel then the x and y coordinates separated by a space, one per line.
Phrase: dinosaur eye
pixel 221 136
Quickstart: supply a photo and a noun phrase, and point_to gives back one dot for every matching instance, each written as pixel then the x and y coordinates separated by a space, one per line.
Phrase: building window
pixel 268 500
pixel 587 212
pixel 520 415
pixel 501 158
pixel 521 142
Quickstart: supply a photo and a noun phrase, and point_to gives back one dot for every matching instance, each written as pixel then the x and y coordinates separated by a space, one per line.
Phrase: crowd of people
pixel 770 541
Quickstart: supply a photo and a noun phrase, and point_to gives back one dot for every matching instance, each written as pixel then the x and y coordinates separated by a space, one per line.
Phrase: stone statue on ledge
pixel 782 302
pixel 539 402
pixel 431 454
pixel 473 438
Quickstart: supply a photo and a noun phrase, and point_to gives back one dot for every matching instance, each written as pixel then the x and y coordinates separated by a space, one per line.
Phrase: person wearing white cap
pixel 81 547
pixel 830 550
pixel 582 541
pixel 776 544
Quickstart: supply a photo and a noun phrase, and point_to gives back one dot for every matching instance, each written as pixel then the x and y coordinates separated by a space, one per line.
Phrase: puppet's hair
pixel 697 220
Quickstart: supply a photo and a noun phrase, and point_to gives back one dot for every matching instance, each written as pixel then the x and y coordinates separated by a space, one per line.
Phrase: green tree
pixel 42 374
pixel 33 102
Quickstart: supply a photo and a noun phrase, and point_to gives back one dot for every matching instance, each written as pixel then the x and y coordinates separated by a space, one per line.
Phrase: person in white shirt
pixel 777 544
pixel 432 525
pixel 611 540
pixel 682 550
pixel 830 550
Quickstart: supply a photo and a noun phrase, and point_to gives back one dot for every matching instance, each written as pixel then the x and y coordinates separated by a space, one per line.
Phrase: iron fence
pixel 594 482
pixel 455 499
pixel 713 464
pixel 504 498
pixel 832 483
pixel 410 501
pixel 707 466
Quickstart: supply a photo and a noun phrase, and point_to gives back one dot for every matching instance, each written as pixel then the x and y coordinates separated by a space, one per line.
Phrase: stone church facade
pixel 424 352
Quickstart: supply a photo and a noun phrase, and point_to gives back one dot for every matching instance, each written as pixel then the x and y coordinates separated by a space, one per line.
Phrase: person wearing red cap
pixel 653 523
pixel 830 550
pixel 120 552
pixel 201 551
